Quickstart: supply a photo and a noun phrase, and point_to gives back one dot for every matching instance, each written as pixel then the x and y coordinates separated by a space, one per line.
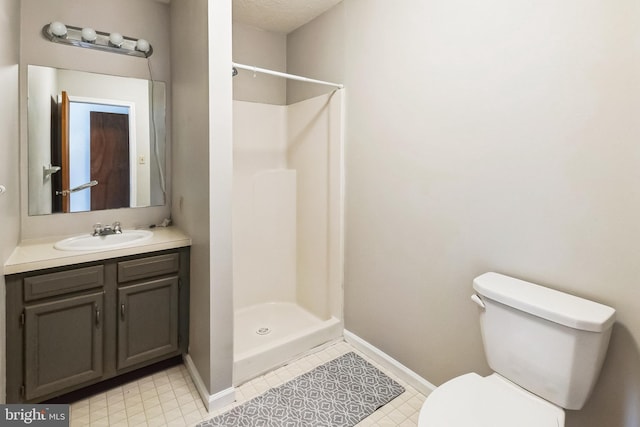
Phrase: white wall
pixel 487 136
pixel 264 206
pixel 148 19
pixel 9 174
pixel 287 204
pixel 314 143
pixel 311 131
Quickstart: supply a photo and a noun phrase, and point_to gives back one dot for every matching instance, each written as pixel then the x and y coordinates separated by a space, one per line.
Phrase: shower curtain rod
pixel 285 75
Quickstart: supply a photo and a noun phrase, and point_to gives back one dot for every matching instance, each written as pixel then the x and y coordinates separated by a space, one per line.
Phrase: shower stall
pixel 287 230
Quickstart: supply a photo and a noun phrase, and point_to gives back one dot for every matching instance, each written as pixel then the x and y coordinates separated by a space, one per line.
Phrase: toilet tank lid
pixel 549 304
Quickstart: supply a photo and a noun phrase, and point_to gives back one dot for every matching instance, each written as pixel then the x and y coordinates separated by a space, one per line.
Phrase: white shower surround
pixel 287 204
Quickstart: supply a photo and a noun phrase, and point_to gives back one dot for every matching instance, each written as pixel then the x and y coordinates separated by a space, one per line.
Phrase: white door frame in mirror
pixel 133 166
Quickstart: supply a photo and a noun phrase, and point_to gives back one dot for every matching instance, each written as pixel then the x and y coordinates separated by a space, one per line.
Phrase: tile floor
pixel 169 398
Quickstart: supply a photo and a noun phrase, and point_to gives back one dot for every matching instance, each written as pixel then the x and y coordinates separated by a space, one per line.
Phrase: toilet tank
pixel 547 342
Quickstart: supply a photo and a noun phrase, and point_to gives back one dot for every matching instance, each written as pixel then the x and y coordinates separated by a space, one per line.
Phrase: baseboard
pixel 389 363
pixel 211 401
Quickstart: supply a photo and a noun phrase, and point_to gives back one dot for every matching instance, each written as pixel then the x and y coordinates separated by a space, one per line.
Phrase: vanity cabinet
pixel 63 344
pixel 70 327
pixel 148 309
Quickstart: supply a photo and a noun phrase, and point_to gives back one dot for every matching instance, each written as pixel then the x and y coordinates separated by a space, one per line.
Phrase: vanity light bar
pixel 57 32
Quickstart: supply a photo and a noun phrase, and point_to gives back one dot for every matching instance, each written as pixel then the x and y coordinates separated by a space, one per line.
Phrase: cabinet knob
pixel 97 317
pixel 122 311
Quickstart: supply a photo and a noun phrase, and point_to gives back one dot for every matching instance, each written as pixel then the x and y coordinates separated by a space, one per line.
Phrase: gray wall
pixel 147 19
pixel 199 35
pixel 220 183
pixel 190 205
pixel 264 49
pixel 317 50
pixel 486 136
pixel 9 142
pixel 202 181
pixel 23 44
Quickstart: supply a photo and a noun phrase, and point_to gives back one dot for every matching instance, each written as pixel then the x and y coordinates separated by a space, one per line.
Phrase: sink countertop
pixel 37 254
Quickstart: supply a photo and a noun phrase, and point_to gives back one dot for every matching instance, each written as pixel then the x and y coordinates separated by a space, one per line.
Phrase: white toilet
pixel 546 348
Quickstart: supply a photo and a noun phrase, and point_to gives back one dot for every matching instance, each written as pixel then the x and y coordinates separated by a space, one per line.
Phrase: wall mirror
pixel 95 141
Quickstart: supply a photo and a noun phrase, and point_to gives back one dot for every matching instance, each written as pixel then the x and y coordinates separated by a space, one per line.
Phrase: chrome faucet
pixel 100 230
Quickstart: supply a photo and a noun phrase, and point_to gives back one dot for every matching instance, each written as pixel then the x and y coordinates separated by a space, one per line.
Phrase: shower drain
pixel 263 331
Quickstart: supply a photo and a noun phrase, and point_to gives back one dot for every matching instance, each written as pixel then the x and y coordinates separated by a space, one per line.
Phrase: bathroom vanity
pixel 75 319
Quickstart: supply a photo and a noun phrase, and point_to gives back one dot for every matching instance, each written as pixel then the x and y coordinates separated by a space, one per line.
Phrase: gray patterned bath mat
pixel 339 393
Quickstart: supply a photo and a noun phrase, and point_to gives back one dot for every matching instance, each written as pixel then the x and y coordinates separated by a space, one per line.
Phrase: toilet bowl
pixel 546 349
pixel 474 401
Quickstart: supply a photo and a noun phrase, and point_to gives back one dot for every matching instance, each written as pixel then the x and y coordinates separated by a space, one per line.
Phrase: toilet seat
pixel 493 401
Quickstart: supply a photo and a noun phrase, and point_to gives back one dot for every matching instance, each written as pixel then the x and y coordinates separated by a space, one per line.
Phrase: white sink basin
pixel 87 242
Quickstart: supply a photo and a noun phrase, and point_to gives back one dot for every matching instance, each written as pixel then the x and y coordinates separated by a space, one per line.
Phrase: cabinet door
pixel 63 344
pixel 148 321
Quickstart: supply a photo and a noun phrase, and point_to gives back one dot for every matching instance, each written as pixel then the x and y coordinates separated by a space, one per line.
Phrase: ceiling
pixel 281 16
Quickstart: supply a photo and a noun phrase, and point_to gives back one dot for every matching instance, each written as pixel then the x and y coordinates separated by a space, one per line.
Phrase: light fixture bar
pixel 73 37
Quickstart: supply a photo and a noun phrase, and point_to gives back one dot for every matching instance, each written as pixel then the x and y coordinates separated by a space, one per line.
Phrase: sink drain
pixel 263 331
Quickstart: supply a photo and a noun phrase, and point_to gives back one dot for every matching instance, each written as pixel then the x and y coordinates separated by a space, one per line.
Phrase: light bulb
pixel 143 46
pixel 116 39
pixel 58 29
pixel 89 35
